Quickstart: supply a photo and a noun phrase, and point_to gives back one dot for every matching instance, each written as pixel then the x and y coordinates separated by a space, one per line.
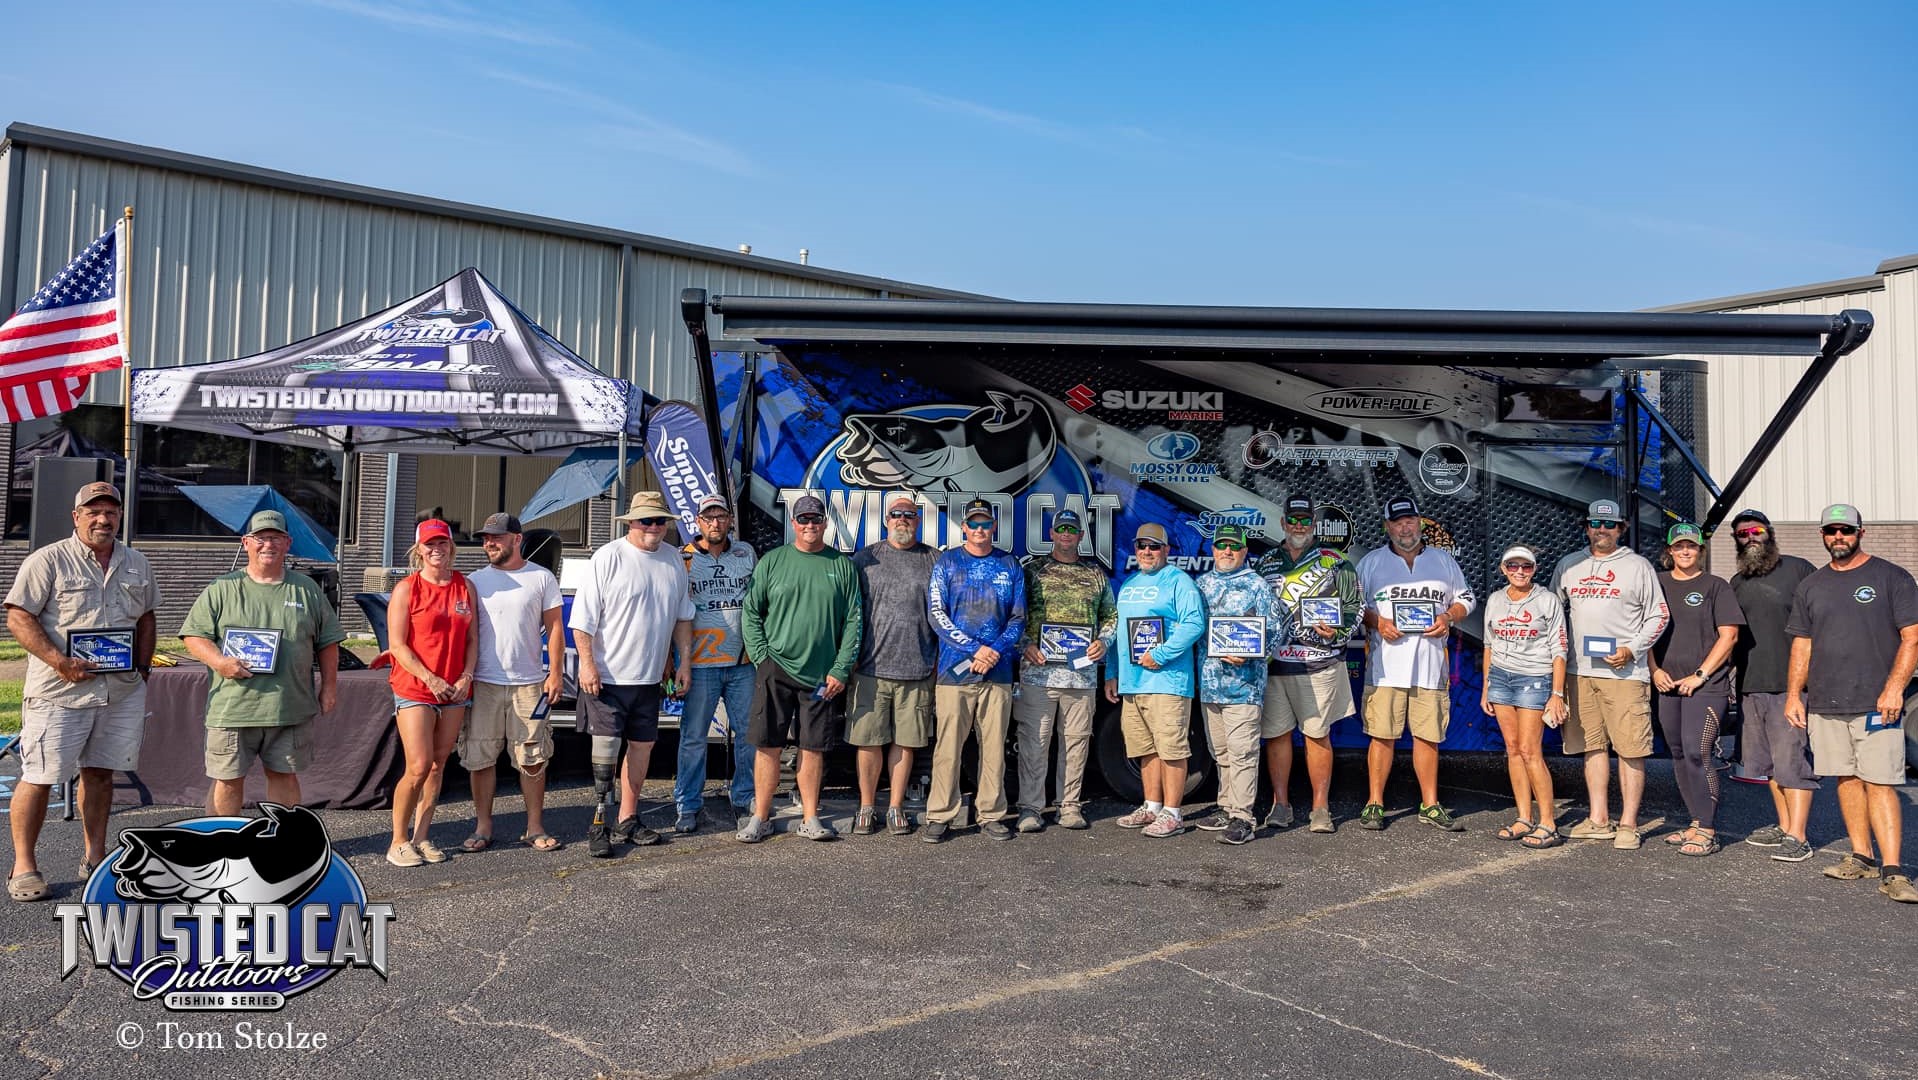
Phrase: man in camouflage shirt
pixel 1062 591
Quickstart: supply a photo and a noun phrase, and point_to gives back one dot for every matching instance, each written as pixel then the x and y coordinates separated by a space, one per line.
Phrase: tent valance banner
pixel 456 369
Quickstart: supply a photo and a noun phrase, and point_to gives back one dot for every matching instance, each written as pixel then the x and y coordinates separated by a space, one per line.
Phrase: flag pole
pixel 123 256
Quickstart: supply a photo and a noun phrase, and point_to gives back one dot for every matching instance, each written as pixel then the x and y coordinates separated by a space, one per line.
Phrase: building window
pixel 466 488
pixel 83 431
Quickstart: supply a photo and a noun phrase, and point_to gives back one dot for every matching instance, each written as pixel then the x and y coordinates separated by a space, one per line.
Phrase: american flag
pixel 69 330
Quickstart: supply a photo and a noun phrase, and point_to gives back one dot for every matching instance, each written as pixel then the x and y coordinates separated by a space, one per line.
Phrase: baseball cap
pixel 977 507
pixel 1604 510
pixel 432 529
pixel 1520 552
pixel 1067 517
pixel 713 502
pixel 645 504
pixel 99 489
pixel 1752 515
pixel 1298 504
pixel 1684 530
pixel 1400 506
pixel 1232 533
pixel 1151 530
pixel 1841 514
pixel 272 521
pixel 500 525
pixel 808 504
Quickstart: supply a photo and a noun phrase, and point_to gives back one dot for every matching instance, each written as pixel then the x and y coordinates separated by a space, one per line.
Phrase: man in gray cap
pixel 1615 609
pixel 1854 629
pixel 1070 623
pixel 719 567
pixel 83 610
pixel 260 631
pixel 630 616
pixel 890 715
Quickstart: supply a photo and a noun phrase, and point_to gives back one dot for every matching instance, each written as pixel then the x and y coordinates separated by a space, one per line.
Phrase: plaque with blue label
pixel 1063 643
pixel 1600 647
pixel 256 647
pixel 1227 635
pixel 1414 616
pixel 1321 611
pixel 108 649
pixel 1145 634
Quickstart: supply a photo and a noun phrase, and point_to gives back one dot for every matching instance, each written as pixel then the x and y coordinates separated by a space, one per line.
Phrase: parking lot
pixel 1410 953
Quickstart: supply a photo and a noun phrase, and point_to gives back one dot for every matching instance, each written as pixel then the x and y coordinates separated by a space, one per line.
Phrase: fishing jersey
pixel 1168 594
pixel 1242 593
pixel 1073 594
pixel 1319 572
pixel 1616 597
pixel 976 600
pixel 1434 578
pixel 719 588
pixel 1525 636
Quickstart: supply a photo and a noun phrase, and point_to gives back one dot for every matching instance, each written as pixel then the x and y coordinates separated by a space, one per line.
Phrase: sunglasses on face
pixel 654 523
pixel 1069 530
pixel 901 515
pixel 809 519
pixel 987 524
pixel 1146 545
pixel 1298 521
pixel 1747 534
pixel 1600 523
pixel 1516 567
pixel 1228 545
pixel 1840 530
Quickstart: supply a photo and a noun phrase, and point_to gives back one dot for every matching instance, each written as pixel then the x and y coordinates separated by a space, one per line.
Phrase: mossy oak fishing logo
pixel 222 913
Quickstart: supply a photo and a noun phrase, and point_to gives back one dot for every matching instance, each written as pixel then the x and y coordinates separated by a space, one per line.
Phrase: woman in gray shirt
pixel 1525 689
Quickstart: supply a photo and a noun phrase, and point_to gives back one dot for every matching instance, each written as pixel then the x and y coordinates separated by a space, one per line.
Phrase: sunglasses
pixel 1227 545
pixel 1146 545
pixel 654 523
pixel 1601 523
pixel 1293 520
pixel 1069 530
pixel 1515 567
pixel 1840 530
pixel 714 515
pixel 985 524
pixel 1746 534
pixel 901 515
pixel 809 519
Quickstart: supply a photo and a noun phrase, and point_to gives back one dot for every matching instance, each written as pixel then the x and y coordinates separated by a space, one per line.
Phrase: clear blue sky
pixel 1515 155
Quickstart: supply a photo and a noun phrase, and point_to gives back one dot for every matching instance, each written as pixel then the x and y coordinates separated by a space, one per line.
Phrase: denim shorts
pixel 1520 691
pixel 408 703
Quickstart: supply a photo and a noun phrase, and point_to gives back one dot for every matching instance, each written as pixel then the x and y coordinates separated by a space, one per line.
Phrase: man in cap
pixel 1414 595
pixel 1232 686
pixel 1070 622
pixel 1308 687
pixel 977 603
pixel 801 626
pixel 720 567
pixel 631 616
pixel 1854 630
pixel 83 710
pixel 1769 747
pixel 512 689
pixel 1161 617
pixel 891 712
pixel 261 704
pixel 1616 610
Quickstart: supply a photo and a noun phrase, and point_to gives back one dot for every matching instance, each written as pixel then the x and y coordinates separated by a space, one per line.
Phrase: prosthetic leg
pixel 606 755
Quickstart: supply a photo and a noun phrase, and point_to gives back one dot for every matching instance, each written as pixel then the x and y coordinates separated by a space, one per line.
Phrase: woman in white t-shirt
pixel 1525 689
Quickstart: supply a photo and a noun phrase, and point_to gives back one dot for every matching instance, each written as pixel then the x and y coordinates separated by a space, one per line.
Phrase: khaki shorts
pixel 886 711
pixel 1312 703
pixel 56 742
pixel 1840 746
pixel 1156 724
pixel 230 752
pixel 502 719
pixel 1609 713
pixel 1389 710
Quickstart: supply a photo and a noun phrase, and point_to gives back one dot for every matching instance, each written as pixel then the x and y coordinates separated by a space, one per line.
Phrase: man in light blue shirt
pixel 1161 617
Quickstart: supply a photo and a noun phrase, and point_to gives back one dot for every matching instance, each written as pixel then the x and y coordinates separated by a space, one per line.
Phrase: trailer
pixel 1502 425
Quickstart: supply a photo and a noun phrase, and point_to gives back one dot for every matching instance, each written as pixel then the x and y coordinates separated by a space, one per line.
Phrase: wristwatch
pixel 1700 673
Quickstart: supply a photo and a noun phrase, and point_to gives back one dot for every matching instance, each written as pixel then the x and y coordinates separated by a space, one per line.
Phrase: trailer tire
pixel 1121 773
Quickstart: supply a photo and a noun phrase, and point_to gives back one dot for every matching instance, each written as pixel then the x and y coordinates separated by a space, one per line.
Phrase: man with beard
pixel 1854 629
pixel 1071 595
pixel 719 568
pixel 1616 611
pixel 1767 745
pixel 891 713
pixel 1307 686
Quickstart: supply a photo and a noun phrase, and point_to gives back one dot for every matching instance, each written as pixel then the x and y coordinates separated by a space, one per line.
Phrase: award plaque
pixel 1321 611
pixel 1598 648
pixel 108 649
pixel 1235 636
pixel 257 648
pixel 1415 616
pixel 1144 634
pixel 1061 643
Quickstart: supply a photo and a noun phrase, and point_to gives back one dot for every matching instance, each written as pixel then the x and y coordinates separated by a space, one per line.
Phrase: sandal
pixel 28 887
pixel 1683 835
pixel 540 841
pixel 1543 837
pixel 1517 830
pixel 476 843
pixel 1700 846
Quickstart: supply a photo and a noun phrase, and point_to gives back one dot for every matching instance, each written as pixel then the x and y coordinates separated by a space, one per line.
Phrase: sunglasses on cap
pixel 1601 523
pixel 654 523
pixel 809 519
pixel 1146 545
pixel 901 515
pixel 1755 530
pixel 1840 530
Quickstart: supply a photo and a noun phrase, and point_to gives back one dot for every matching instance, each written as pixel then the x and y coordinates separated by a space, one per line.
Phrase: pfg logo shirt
pixel 1433 578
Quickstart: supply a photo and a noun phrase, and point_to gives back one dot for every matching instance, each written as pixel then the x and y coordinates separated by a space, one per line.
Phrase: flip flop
pixel 1517 830
pixel 28 887
pixel 541 841
pixel 477 842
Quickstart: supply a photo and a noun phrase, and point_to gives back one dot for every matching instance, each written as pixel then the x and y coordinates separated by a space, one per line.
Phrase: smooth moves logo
pixel 222 913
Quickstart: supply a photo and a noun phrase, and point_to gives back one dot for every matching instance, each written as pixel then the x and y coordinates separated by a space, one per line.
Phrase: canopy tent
pixel 456 369
pixel 232 504
pixel 584 474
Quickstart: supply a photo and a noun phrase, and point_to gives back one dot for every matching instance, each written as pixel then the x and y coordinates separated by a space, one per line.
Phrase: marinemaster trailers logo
pixel 221 913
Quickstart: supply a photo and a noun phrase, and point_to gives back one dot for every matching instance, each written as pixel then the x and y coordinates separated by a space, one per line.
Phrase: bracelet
pixel 1558 693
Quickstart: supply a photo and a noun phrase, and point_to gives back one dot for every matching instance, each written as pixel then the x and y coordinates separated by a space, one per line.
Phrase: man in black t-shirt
pixel 1768 747
pixel 1854 628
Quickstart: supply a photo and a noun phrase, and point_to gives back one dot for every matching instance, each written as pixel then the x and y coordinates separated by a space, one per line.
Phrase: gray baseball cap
pixel 1842 514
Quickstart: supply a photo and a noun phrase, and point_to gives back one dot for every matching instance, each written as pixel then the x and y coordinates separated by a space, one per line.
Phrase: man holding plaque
pixel 1413 596
pixel 260 631
pixel 1070 623
pixel 1616 610
pixel 1161 618
pixel 1243 622
pixel 1308 687
pixel 83 610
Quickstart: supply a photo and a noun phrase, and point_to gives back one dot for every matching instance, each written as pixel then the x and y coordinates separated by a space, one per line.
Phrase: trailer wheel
pixel 1121 773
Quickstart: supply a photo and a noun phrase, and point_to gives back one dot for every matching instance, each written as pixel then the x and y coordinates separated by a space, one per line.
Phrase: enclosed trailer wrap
pixel 1501 425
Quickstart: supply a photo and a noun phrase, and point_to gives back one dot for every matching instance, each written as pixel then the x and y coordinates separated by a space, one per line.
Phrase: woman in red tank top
pixel 432 632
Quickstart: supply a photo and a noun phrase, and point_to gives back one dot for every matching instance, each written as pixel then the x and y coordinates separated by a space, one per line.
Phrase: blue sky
pixel 1510 155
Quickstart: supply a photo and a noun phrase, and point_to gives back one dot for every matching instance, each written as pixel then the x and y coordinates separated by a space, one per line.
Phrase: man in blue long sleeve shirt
pixel 1157 688
pixel 977 604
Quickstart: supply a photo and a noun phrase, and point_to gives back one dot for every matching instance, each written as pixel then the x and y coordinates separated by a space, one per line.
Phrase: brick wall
pixel 1896 541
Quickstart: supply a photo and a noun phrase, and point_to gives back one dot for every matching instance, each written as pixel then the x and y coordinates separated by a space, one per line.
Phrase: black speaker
pixel 56 480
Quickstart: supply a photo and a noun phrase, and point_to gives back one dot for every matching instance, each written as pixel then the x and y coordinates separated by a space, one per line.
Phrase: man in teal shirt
pixel 1158 604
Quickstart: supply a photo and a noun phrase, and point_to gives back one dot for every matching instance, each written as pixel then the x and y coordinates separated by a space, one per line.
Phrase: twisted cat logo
pixel 223 913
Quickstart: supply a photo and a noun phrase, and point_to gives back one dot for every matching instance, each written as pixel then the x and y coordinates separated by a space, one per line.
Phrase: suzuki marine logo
pixel 1378 403
pixel 1200 405
pixel 1082 397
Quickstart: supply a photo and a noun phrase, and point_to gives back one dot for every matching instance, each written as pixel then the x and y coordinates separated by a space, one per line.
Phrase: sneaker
pixel 935 832
pixel 1852 868
pixel 1138 819
pixel 814 829
pixel 1372 817
pixel 996 830
pixel 756 829
pixel 1898 887
pixel 1321 822
pixel 404 855
pixel 1166 824
pixel 1592 830
pixel 599 841
pixel 1218 822
pixel 1073 818
pixel 866 823
pixel 1280 816
pixel 1792 849
pixel 1238 832
pixel 1438 815
pixel 1626 839
pixel 627 828
pixel 686 824
pixel 1769 836
pixel 897 823
pixel 1030 821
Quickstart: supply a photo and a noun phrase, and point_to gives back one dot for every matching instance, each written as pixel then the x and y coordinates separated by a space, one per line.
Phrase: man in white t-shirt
pixel 512 690
pixel 632 614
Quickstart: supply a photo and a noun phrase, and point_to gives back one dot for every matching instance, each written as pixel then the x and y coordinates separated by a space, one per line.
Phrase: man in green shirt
pixel 801 625
pixel 259 631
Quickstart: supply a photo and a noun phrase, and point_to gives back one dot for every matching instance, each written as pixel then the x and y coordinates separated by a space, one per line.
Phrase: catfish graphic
pixel 269 860
pixel 443 319
pixel 1001 446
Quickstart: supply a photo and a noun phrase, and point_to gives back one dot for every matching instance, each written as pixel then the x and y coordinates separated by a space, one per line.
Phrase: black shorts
pixel 626 712
pixel 785 711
